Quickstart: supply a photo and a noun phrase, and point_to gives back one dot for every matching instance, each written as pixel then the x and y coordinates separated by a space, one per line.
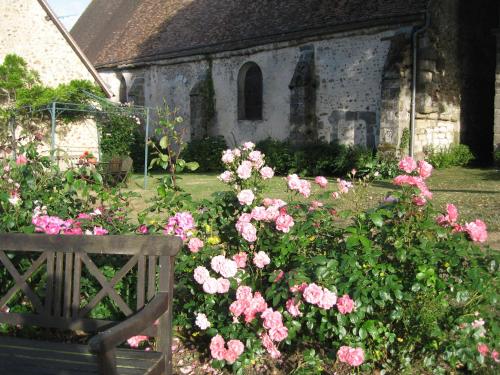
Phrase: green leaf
pixel 192 166
pixel 164 142
pixel 377 220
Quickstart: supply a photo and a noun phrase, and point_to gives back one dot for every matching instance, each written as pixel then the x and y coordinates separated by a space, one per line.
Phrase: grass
pixel 476 193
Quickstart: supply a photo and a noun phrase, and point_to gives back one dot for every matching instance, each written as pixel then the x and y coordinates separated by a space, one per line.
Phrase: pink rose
pixel 21 160
pixel 217 347
pixel 84 216
pixel 305 188
pixel 226 176
pixel 352 356
pixel 328 301
pixel 313 294
pixel 345 304
pixel 495 356
pixel 269 345
pixel 224 285
pixel 293 308
pixel 217 262
pixel 195 244
pixel 244 293
pixel 244 171
pixel 246 197
pixel 272 213
pixel 477 230
pixel 424 169
pixel 52 229
pixel 321 181
pixel 100 231
pixel 249 232
pixel 261 259
pixel 259 213
pixel 143 229
pixel 267 173
pixel 228 268
pixel 272 319
pixel 278 333
pixel 284 222
pixel 343 186
pixel 315 205
pixel 298 288
pixel 257 159
pixel 483 349
pixel 452 213
pixel 201 274
pixel 240 259
pixel 407 164
pixel 228 157
pixel 238 307
pixel 248 146
pixel 419 200
pixel 235 348
pixel 211 286
pixel 293 182
pixel 135 341
pixel 258 303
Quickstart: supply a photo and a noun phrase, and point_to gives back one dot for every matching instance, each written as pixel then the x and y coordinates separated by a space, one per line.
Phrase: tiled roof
pixel 113 32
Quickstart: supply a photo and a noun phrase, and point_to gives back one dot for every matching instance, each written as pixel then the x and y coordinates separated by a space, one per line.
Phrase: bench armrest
pixel 132 326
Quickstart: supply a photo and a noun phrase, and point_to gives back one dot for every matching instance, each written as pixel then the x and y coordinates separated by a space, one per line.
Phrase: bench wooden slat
pixel 58 279
pixel 68 279
pixel 141 279
pixel 77 272
pixel 152 261
pixel 49 296
pixel 126 245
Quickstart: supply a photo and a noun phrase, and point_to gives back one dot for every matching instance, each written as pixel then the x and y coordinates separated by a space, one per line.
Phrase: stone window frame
pixel 256 105
pixel 123 90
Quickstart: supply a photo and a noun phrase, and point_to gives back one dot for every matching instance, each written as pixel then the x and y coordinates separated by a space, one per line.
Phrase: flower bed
pixel 404 286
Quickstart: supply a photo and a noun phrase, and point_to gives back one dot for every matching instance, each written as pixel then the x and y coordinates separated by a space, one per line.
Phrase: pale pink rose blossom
pixel 284 222
pixel 321 181
pixel 241 259
pixel 135 341
pixel 195 244
pixel 269 345
pixel 249 232
pixel 278 333
pixel 305 188
pixel 226 176
pixel 344 186
pixel 452 213
pixel 236 152
pixel 211 286
pixel 201 274
pixel 244 171
pixel 235 348
pixel 258 303
pixel 313 294
pixel 228 157
pixel 143 229
pixel 217 262
pixel 246 197
pixel 21 160
pixel 248 146
pixel 483 349
pixel 345 304
pixel 495 356
pixel 238 307
pixel 419 200
pixel 328 300
pixel 298 288
pixel 267 173
pixel 228 268
pixel 217 347
pixel 272 213
pixel 261 259
pixel 293 182
pixel 257 159
pixel 259 213
pixel 202 321
pixel 352 356
pixel 477 230
pixel 424 169
pixel 407 164
pixel 293 308
pixel 224 285
pixel 244 293
pixel 272 319
pixel 477 323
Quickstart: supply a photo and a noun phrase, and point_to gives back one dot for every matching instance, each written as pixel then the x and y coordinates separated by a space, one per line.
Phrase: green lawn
pixel 476 192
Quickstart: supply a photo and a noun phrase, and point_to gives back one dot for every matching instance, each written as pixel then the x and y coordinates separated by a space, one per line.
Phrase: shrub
pixel 457 155
pixel 206 152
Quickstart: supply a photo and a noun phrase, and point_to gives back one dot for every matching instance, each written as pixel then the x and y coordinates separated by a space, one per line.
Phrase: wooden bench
pixel 57 265
pixel 117 169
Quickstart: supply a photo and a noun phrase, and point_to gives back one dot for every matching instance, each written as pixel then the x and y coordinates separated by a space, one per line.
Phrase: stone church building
pixel 305 70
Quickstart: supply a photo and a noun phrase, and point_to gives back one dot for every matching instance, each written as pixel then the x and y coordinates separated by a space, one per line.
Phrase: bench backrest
pixel 57 263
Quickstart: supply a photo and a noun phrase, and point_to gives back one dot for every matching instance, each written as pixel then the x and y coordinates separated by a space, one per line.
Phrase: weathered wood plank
pixel 68 279
pixel 21 281
pixel 131 245
pixel 141 279
pixel 152 261
pixel 58 280
pixel 49 296
pixel 77 272
pixel 164 338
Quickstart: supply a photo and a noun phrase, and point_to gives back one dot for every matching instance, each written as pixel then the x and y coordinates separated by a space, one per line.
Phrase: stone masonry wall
pixel 26 30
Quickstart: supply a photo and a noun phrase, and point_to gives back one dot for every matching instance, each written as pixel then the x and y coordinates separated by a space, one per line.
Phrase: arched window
pixel 250 92
pixel 123 89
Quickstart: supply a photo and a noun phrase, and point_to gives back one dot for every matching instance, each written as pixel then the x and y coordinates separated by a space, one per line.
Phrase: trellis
pixel 97 111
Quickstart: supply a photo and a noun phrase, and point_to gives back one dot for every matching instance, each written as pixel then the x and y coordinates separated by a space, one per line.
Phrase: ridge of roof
pixel 69 39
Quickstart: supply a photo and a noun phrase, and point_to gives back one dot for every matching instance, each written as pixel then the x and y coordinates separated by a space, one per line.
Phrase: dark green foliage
pixel 118 134
pixel 329 159
pixel 457 155
pixel 207 152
